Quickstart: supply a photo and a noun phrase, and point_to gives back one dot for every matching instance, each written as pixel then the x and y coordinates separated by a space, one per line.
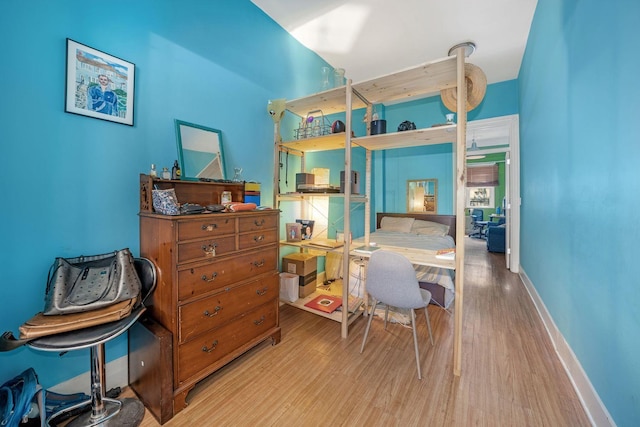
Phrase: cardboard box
pixel 300 264
pixel 304 178
pixel 307 284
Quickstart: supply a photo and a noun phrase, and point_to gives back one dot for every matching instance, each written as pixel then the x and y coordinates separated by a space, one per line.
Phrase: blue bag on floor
pixel 16 396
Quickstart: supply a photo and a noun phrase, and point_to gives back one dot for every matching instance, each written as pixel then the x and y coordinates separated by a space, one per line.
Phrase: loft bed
pixel 448 74
pixel 418 236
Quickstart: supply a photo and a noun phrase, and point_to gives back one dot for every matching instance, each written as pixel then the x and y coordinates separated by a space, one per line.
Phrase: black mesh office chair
pixel 104 411
pixel 479 225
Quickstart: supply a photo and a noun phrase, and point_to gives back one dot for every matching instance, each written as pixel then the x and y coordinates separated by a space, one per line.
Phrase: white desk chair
pixel 391 280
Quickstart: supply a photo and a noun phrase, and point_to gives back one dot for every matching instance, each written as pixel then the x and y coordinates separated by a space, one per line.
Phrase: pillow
pixel 429 228
pixel 397 224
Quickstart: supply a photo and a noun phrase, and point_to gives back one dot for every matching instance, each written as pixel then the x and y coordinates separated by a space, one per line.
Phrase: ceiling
pixel 371 38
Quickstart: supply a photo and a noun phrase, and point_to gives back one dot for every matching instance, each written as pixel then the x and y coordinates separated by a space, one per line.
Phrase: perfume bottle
pixel 237 177
pixel 175 170
pixel 166 174
pixel 153 173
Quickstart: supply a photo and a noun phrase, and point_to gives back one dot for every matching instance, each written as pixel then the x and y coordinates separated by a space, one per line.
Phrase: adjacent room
pixel 342 212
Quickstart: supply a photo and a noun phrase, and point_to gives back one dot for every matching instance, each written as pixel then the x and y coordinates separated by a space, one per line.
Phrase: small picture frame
pixel 294 232
pixel 307 228
pixel 99 85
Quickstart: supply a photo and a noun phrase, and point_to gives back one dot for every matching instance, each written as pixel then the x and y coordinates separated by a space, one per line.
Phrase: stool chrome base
pixel 127 412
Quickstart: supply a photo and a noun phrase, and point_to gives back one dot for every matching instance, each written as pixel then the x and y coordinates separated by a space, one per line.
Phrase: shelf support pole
pixel 461 181
pixel 347 214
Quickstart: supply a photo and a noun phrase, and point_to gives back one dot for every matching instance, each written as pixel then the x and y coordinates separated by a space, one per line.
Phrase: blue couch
pixel 496 238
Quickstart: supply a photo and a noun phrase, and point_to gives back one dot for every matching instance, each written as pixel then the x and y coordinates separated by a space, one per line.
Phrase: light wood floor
pixel 511 375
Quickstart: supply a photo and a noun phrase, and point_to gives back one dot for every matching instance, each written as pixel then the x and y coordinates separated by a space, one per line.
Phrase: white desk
pixel 416 256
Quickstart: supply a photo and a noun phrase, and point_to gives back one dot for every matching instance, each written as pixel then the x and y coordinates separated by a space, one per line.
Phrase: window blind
pixel 483 176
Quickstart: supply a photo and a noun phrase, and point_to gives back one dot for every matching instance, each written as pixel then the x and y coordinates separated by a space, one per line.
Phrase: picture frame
pixel 199 152
pixel 99 85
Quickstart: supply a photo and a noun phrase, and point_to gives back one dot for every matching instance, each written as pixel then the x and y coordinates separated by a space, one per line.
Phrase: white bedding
pixel 441 276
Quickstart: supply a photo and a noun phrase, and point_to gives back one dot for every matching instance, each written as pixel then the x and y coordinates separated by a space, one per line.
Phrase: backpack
pixel 16 396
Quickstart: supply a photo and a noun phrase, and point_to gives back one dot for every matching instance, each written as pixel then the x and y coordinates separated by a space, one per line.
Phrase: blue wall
pixel 580 181
pixel 394 167
pixel 70 183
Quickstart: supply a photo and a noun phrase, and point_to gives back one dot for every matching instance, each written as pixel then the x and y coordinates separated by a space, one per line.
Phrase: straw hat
pixel 476 88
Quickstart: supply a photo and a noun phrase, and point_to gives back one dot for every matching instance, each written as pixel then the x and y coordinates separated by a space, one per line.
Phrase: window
pixel 481 197
pixel 485 175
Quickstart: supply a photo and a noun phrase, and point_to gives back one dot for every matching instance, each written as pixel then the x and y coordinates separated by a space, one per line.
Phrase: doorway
pixel 501 135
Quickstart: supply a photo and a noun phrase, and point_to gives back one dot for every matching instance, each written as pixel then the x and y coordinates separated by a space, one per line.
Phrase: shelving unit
pixel 413 83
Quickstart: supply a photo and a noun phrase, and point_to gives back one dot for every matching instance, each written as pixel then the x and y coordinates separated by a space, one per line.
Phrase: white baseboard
pixel 116 375
pixel 596 411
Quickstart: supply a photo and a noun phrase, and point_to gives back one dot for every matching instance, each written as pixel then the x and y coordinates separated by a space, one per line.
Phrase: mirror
pixel 200 151
pixel 422 196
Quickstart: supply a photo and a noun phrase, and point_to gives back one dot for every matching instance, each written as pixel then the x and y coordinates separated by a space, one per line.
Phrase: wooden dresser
pixel 218 282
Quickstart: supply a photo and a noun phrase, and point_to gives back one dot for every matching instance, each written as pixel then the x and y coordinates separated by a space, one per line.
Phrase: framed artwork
pixel 422 195
pixel 199 151
pixel 481 197
pixel 99 85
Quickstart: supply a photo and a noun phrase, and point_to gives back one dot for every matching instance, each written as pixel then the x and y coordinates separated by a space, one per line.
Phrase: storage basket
pixel 313 126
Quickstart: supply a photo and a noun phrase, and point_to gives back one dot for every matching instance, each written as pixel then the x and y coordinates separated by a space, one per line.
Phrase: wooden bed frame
pixel 437 291
pixel 449 220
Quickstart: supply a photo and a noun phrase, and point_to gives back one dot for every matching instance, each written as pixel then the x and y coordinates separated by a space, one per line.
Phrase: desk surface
pixel 416 256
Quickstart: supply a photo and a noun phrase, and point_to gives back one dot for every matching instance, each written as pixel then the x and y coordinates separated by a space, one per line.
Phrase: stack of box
pixel 305 266
pixel 252 192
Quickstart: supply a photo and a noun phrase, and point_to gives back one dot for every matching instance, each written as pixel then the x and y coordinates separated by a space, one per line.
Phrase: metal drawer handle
pixel 259 238
pixel 259 322
pixel 213 277
pixel 215 311
pixel 258 263
pixel 210 349
pixel 261 291
pixel 209 227
pixel 259 223
pixel 210 249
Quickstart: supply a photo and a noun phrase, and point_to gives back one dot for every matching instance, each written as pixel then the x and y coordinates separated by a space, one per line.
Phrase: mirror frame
pixel 429 203
pixel 190 136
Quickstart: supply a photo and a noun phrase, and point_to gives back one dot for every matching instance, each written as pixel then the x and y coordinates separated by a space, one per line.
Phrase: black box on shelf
pixel 355 182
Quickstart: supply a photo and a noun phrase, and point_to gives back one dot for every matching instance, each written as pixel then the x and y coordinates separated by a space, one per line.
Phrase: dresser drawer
pixel 257 223
pixel 211 226
pixel 208 248
pixel 258 238
pixel 209 313
pixel 224 272
pixel 206 349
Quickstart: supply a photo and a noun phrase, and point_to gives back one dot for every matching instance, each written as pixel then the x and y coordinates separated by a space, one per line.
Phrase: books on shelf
pixel 449 253
pixel 353 304
pixel 366 249
pixel 326 303
pixel 324 243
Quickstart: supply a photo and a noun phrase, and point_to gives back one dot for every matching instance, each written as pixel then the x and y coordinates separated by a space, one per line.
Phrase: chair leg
pixel 366 331
pixel 426 314
pixel 386 315
pixel 415 341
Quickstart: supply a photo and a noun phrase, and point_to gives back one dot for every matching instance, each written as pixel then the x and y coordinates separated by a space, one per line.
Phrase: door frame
pixel 505 132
